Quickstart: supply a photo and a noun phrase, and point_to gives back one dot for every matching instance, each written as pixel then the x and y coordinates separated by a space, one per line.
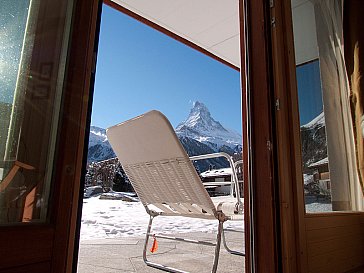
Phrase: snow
pixel 98 147
pixel 103 219
pixel 212 173
pixel 97 136
pixel 317 121
pixel 317 205
pixel 115 218
pixel 320 162
pixel 307 178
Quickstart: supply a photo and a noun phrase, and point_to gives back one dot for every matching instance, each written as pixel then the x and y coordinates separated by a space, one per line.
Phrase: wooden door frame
pixel 49 247
pixel 288 140
pixel 259 135
pixel 261 201
pixel 70 166
pixel 274 205
pixel 257 90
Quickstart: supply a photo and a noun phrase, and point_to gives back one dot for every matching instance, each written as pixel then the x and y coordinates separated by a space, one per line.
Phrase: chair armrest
pixel 233 165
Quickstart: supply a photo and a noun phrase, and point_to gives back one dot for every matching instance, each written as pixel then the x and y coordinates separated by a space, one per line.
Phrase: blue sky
pixel 309 91
pixel 140 69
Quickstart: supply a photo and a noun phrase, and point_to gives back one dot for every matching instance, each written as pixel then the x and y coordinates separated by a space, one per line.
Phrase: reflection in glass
pixel 330 173
pixel 315 163
pixel 32 56
pixel 13 24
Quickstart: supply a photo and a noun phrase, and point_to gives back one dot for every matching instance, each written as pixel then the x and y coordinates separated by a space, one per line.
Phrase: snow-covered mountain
pixel 313 141
pixel 201 126
pixel 98 146
pixel 199 134
pixel 317 122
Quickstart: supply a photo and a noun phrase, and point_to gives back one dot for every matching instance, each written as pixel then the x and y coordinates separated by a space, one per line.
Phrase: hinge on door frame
pixel 277 104
pixel 273 20
pixel 269 145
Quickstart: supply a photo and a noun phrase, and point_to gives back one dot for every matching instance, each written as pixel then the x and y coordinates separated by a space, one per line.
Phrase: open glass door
pixel 331 150
pixel 34 39
pixel 319 128
pixel 127 51
pixel 326 43
pixel 31 91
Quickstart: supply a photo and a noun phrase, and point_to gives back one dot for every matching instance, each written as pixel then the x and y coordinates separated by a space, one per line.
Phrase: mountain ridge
pixel 199 134
pixel 313 141
pixel 99 147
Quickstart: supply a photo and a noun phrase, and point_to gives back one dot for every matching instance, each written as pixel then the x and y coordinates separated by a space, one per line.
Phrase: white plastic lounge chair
pixel 165 179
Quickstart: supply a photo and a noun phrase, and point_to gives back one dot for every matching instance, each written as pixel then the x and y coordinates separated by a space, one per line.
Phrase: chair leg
pixel 147 239
pixel 155 265
pixel 174 270
pixel 227 248
pixel 220 230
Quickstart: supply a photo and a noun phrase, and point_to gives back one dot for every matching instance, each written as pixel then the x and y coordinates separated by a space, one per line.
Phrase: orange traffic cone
pixel 155 245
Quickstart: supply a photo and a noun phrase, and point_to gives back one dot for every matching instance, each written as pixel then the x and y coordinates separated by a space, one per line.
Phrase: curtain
pixel 336 97
pixel 354 59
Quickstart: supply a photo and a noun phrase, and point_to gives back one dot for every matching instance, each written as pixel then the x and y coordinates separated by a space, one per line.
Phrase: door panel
pixel 330 180
pixel 31 90
pixel 260 224
pixel 321 179
pixel 43 267
pixel 32 86
pixel 43 115
pixel 25 245
pixel 335 243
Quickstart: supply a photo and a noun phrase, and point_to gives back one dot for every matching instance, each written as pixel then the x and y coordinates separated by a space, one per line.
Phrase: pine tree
pixel 118 182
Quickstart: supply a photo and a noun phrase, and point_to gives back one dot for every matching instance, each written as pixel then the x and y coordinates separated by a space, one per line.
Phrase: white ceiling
pixel 210 24
pixel 214 24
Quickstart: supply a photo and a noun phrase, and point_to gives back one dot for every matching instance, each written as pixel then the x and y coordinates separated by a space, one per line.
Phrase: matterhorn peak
pixel 199 107
pixel 201 126
pixel 199 113
pixel 200 119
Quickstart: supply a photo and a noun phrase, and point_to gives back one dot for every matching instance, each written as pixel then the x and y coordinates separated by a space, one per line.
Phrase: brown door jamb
pixel 261 237
pixel 73 130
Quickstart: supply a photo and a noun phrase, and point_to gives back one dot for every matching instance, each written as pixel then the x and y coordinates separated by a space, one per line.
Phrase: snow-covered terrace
pixel 113 232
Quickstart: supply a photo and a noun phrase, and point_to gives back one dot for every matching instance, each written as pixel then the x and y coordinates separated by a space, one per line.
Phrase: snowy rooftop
pixel 320 162
pixel 217 172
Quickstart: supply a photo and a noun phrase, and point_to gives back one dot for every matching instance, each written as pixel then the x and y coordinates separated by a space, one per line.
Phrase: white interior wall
pixel 306 48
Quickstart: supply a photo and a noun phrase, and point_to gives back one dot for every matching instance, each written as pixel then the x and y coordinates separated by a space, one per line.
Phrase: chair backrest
pixel 158 166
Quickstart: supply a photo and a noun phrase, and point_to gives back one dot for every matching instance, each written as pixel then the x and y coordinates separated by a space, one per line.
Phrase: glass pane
pixel 13 22
pixel 331 178
pixel 33 39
